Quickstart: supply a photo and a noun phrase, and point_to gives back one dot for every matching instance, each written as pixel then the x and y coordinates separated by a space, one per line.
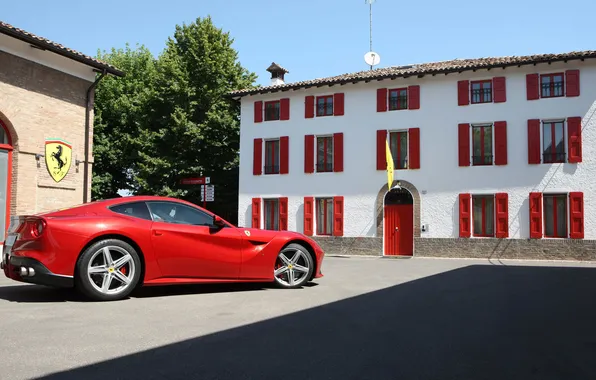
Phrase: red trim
pixel 574 139
pixel 572 83
pixel 269 223
pixel 576 215
pixel 309 154
pixel 273 102
pixel 8 147
pixel 481 161
pixel 534 141
pixel 482 84
pixel 381 100
pixel 551 86
pixel 414 148
pixel 499 90
pixel 532 87
pixel 308 216
pixel 284 155
pixel 327 99
pixel 322 154
pixel 284 109
pixel 395 93
pixel 338 216
pixel 381 138
pixel 338 152
pixel 256 213
pixel 338 104
pixel 483 218
pixel 557 198
pixel 258 111
pixel 463 93
pixel 257 160
pixel 555 157
pixel 323 222
pixel 464 144
pixel 502 215
pixel 283 213
pixel 535 215
pixel 414 97
pixel 309 107
pixel 270 154
pixel 500 142
pixel 464 215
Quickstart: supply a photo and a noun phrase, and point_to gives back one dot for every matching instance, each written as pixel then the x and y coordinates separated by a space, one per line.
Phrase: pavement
pixel 368 318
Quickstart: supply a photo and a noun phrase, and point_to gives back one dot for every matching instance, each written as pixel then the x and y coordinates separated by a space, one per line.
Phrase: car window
pixel 172 212
pixel 136 209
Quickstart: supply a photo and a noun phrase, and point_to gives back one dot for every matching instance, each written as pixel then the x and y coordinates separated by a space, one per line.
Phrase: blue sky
pixel 321 38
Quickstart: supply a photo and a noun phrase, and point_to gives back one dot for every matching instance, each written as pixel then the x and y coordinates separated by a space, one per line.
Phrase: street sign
pixel 195 181
pixel 207 193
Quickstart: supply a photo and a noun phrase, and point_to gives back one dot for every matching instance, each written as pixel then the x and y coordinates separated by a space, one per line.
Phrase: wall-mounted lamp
pixel 38 156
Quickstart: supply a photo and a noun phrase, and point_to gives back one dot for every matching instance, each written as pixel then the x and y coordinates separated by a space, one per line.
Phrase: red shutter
pixel 500 143
pixel 414 148
pixel 283 214
pixel 576 215
pixel 258 111
pixel 464 144
pixel 257 160
pixel 413 97
pixel 502 215
pixel 338 216
pixel 535 215
pixel 284 109
pixel 465 221
pixel 499 88
pixel 338 152
pixel 463 93
pixel 572 83
pixel 532 87
pixel 309 154
pixel 533 141
pixel 338 104
pixel 309 107
pixel 308 215
pixel 574 139
pixel 381 146
pixel 284 155
pixel 381 100
pixel 256 213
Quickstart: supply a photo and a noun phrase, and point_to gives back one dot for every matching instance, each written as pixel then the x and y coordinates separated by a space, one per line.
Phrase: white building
pixel 472 141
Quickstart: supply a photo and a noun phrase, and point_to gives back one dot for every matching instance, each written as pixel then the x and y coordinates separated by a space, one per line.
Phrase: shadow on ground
pixel 477 322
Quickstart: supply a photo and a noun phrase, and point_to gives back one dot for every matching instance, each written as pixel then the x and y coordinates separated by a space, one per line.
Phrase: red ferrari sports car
pixel 106 249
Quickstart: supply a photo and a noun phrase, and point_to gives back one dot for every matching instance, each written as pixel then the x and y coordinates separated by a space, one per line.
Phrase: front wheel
pixel 108 270
pixel 293 266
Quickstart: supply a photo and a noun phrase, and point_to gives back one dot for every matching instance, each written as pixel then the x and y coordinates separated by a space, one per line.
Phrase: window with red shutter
pixel 533 141
pixel 338 104
pixel 500 91
pixel 463 95
pixel 464 215
pixel 257 160
pixel 413 97
pixel 256 213
pixel 576 215
pixel 284 113
pixel 464 144
pixel 382 100
pixel 338 216
pixel 572 83
pixel 309 154
pixel 381 146
pixel 308 215
pixel 532 87
pixel 414 148
pixel 338 152
pixel 500 143
pixel 309 107
pixel 283 213
pixel 284 155
pixel 502 215
pixel 535 215
pixel 574 139
pixel 258 111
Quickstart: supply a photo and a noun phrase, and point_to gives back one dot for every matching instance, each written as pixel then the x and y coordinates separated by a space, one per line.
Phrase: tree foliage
pixel 169 118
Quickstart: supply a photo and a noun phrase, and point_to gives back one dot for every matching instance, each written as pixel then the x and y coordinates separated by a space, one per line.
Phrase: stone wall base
pixel 531 249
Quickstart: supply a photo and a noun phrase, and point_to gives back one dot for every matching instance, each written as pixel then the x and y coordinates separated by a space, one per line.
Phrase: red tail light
pixel 32 228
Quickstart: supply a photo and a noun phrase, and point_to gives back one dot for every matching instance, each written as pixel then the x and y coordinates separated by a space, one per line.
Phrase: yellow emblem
pixel 58 157
pixel 247 232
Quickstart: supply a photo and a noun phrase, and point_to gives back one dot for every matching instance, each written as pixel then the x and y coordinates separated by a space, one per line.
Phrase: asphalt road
pixel 368 318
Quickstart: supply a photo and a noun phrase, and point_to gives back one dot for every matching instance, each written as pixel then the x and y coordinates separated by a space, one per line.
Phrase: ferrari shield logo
pixel 247 232
pixel 58 157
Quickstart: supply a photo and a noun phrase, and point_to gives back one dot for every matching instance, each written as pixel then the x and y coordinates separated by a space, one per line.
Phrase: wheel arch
pixel 310 250
pixel 118 237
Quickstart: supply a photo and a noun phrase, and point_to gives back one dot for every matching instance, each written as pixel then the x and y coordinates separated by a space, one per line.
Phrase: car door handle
pixel 157 233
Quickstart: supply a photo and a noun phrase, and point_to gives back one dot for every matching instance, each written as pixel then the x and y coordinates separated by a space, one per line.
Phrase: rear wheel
pixel 108 270
pixel 293 266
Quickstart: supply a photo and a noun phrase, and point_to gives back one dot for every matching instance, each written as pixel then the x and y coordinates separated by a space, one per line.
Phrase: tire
pixel 295 260
pixel 121 275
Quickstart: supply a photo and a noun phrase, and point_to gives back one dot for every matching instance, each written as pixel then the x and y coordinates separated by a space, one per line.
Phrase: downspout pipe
pixel 88 107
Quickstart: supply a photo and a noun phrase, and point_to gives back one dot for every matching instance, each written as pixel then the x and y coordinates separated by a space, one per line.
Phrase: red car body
pixel 171 253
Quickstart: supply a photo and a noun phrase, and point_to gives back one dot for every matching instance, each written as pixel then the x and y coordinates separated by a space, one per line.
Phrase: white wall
pixel 439 176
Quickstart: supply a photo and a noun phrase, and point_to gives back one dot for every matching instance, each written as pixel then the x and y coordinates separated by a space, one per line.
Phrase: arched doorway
pixel 398 220
pixel 5 179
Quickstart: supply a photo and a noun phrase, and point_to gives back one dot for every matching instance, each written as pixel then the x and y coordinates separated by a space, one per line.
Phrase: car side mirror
pixel 218 221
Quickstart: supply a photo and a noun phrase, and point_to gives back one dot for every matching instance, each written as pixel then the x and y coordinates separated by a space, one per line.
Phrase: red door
pixel 399 229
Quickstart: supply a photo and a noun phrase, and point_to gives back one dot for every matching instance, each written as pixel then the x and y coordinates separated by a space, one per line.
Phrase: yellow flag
pixel 390 167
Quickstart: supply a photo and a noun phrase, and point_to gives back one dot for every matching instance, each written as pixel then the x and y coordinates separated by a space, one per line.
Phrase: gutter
pixel 87 129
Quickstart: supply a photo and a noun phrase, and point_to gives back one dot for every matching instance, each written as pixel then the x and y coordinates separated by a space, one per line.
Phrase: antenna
pixel 371 58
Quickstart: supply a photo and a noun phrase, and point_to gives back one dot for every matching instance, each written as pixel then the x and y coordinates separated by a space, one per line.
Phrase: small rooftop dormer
pixel 277 74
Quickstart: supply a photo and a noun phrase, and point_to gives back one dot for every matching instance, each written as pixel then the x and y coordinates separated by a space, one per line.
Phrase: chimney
pixel 277 74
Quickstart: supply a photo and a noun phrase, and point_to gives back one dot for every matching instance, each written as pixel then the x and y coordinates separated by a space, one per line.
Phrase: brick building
pixel 46 123
pixel 493 157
